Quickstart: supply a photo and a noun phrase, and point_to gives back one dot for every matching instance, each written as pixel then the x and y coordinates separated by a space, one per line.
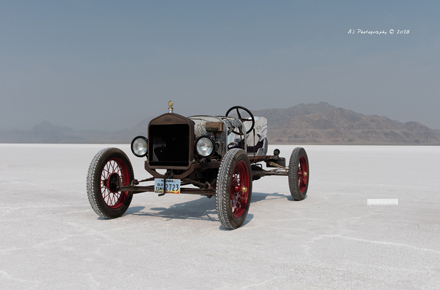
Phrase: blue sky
pixel 110 64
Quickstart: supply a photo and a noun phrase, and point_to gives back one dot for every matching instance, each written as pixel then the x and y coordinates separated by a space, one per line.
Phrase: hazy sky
pixel 110 64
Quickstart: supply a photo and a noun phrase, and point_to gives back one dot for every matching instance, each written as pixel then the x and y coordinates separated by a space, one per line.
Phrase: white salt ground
pixel 52 239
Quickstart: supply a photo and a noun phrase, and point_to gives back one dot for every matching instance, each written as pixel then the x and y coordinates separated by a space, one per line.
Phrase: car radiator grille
pixel 169 145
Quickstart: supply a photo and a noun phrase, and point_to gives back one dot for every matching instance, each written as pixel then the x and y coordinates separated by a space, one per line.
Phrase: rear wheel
pixel 299 173
pixel 109 169
pixel 234 189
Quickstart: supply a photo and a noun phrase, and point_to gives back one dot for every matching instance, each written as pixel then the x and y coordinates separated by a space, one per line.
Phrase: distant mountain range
pixel 46 132
pixel 302 124
pixel 325 124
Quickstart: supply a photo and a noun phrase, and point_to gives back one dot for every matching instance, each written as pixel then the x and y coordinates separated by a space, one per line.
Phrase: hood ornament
pixel 170 108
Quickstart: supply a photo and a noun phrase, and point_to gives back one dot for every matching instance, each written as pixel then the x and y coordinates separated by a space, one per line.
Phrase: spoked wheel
pixel 109 169
pixel 234 189
pixel 299 173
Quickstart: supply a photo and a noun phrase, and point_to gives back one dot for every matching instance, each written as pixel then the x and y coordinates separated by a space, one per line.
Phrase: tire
pixel 109 167
pixel 234 189
pixel 299 173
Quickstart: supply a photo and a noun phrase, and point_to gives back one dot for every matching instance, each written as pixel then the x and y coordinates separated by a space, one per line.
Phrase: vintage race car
pixel 208 155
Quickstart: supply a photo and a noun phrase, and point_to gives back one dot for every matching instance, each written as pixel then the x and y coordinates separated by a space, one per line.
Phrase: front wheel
pixel 234 189
pixel 299 173
pixel 109 169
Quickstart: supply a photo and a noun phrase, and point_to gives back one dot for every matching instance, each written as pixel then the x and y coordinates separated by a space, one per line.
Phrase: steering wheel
pixel 238 108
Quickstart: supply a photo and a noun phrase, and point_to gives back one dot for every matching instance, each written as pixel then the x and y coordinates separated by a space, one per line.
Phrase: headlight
pixel 139 146
pixel 204 146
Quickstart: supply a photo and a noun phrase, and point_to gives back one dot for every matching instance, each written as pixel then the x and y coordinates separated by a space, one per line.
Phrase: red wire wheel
pixel 303 176
pixel 109 169
pixel 234 189
pixel 239 189
pixel 114 174
pixel 299 173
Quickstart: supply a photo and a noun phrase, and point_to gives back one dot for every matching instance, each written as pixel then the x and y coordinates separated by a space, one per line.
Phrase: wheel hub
pixel 113 182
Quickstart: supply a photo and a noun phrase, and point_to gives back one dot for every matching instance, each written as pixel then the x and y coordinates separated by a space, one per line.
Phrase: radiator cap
pixel 170 108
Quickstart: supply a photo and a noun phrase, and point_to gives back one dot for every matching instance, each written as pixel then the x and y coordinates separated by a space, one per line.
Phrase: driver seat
pixel 257 138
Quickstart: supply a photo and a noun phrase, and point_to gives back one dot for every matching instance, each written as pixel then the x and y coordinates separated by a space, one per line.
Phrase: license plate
pixel 172 186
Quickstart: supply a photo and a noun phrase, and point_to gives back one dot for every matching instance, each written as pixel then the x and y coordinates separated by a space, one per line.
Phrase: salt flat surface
pixel 52 239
